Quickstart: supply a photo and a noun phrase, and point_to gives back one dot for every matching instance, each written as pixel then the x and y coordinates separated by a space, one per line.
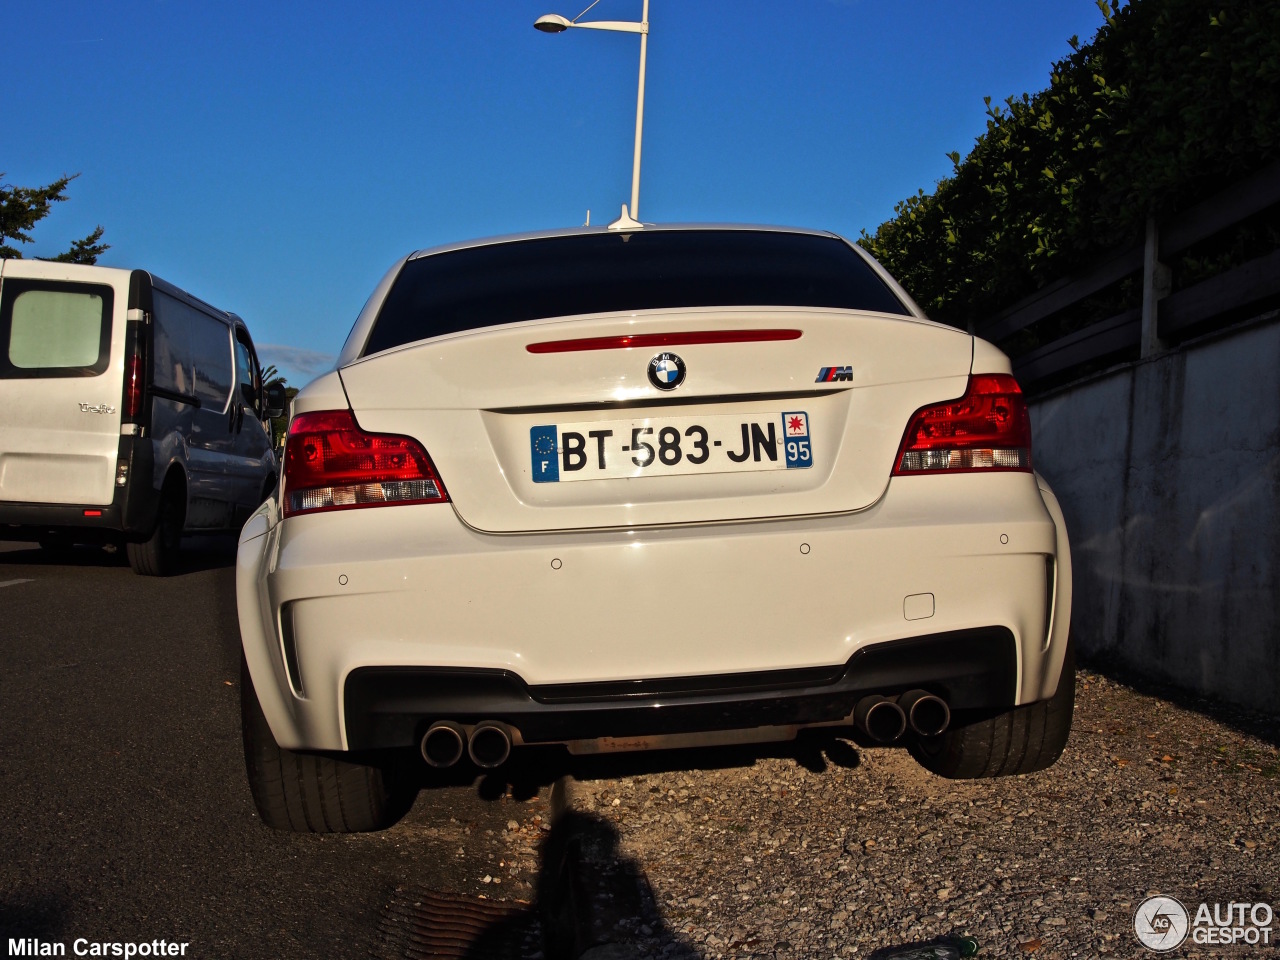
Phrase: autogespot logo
pixel 1161 923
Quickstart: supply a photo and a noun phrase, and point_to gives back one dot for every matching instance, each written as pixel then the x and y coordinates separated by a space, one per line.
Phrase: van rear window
pixel 54 329
pixel 605 272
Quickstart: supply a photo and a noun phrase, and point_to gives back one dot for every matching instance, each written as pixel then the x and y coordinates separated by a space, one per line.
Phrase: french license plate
pixel 666 446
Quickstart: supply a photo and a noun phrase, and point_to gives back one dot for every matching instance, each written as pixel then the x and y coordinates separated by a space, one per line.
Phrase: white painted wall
pixel 1168 471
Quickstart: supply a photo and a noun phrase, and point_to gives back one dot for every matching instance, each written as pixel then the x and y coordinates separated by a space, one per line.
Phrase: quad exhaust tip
pixel 927 714
pixel 885 719
pixel 443 743
pixel 880 718
pixel 490 744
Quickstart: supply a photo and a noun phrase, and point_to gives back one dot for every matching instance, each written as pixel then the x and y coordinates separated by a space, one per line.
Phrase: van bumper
pixel 131 513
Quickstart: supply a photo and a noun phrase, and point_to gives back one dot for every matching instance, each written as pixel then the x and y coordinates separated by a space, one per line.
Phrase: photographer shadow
pixel 591 903
pixel 590 900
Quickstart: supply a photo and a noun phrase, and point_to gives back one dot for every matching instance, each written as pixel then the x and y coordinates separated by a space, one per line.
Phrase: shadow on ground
pixel 1251 723
pixel 199 553
pixel 533 768
pixel 40 915
pixel 590 902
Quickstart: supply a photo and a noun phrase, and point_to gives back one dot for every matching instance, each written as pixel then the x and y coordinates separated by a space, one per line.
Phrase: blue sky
pixel 276 158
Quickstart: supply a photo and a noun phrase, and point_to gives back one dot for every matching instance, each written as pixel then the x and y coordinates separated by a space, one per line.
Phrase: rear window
pixel 54 329
pixel 602 273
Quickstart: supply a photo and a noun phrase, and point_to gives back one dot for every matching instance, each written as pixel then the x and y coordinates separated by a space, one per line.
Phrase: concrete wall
pixel 1168 472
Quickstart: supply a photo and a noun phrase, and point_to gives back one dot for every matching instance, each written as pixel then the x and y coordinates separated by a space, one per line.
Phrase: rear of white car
pixel 653 489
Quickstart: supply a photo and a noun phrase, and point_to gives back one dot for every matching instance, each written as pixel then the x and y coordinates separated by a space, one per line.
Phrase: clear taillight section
pixel 986 429
pixel 331 464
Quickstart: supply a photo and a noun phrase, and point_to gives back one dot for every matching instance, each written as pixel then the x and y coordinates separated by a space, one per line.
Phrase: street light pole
pixel 635 166
pixel 554 23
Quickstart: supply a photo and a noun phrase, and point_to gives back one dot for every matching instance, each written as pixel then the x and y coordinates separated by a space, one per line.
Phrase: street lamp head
pixel 552 23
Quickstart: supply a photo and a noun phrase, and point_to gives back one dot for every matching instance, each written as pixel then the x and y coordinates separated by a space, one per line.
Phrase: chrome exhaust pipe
pixel 880 718
pixel 927 714
pixel 490 744
pixel 443 743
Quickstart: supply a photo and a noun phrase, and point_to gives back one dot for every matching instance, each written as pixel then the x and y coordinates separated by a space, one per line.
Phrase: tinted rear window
pixel 601 273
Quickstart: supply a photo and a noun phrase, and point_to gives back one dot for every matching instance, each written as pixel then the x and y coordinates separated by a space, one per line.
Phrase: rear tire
pixel 310 793
pixel 1022 740
pixel 157 556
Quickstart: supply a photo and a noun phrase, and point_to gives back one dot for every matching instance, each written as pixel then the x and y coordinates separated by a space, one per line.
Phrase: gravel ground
pixel 830 850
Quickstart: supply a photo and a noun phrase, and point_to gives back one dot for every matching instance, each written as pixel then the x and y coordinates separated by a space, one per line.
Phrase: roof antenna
pixel 625 222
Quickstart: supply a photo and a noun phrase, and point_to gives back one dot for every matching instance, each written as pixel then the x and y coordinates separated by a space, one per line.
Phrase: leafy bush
pixel 1171 101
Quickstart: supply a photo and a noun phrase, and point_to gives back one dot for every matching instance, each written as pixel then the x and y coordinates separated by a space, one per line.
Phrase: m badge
pixel 831 374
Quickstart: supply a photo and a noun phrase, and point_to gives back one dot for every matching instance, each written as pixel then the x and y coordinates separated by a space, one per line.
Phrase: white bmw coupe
pixel 644 489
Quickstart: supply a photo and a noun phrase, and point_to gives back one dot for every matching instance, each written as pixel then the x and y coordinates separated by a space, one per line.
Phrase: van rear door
pixel 62 329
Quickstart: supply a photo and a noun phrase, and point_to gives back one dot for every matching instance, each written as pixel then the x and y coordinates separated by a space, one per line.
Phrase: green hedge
pixel 1171 101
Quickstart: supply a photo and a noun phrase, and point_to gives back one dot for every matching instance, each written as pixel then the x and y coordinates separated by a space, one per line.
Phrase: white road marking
pixel 14 583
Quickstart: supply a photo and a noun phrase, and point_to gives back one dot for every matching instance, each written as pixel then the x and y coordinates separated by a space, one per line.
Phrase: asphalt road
pixel 125 811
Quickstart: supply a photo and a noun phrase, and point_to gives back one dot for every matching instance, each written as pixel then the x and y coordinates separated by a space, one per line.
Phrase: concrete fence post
pixel 1156 282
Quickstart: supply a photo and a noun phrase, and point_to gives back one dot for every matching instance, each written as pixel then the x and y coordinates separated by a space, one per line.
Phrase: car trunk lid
pixel 543 425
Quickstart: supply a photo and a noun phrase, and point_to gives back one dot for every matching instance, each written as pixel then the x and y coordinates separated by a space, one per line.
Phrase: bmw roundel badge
pixel 666 371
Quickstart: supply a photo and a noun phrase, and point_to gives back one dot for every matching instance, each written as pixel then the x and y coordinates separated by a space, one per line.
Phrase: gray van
pixel 132 412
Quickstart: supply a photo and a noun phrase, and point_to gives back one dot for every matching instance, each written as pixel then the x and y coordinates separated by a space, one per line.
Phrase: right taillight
pixel 331 464
pixel 135 386
pixel 133 409
pixel 986 429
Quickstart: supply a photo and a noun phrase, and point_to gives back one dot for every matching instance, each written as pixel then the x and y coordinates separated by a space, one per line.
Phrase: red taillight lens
pixel 135 385
pixel 986 429
pixel 331 464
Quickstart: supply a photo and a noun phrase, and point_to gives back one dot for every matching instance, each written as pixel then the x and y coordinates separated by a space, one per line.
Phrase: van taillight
pixel 331 464
pixel 986 429
pixel 135 386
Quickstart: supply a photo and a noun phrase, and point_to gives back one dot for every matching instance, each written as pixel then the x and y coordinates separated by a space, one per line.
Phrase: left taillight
pixel 986 429
pixel 331 464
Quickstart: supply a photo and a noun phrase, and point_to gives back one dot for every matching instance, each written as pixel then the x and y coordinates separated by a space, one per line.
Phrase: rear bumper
pixel 974 670
pixel 131 512
pixel 360 625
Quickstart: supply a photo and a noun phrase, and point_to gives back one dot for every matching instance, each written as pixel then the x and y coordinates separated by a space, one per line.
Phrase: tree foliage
pixel 272 375
pixel 1171 101
pixel 21 208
